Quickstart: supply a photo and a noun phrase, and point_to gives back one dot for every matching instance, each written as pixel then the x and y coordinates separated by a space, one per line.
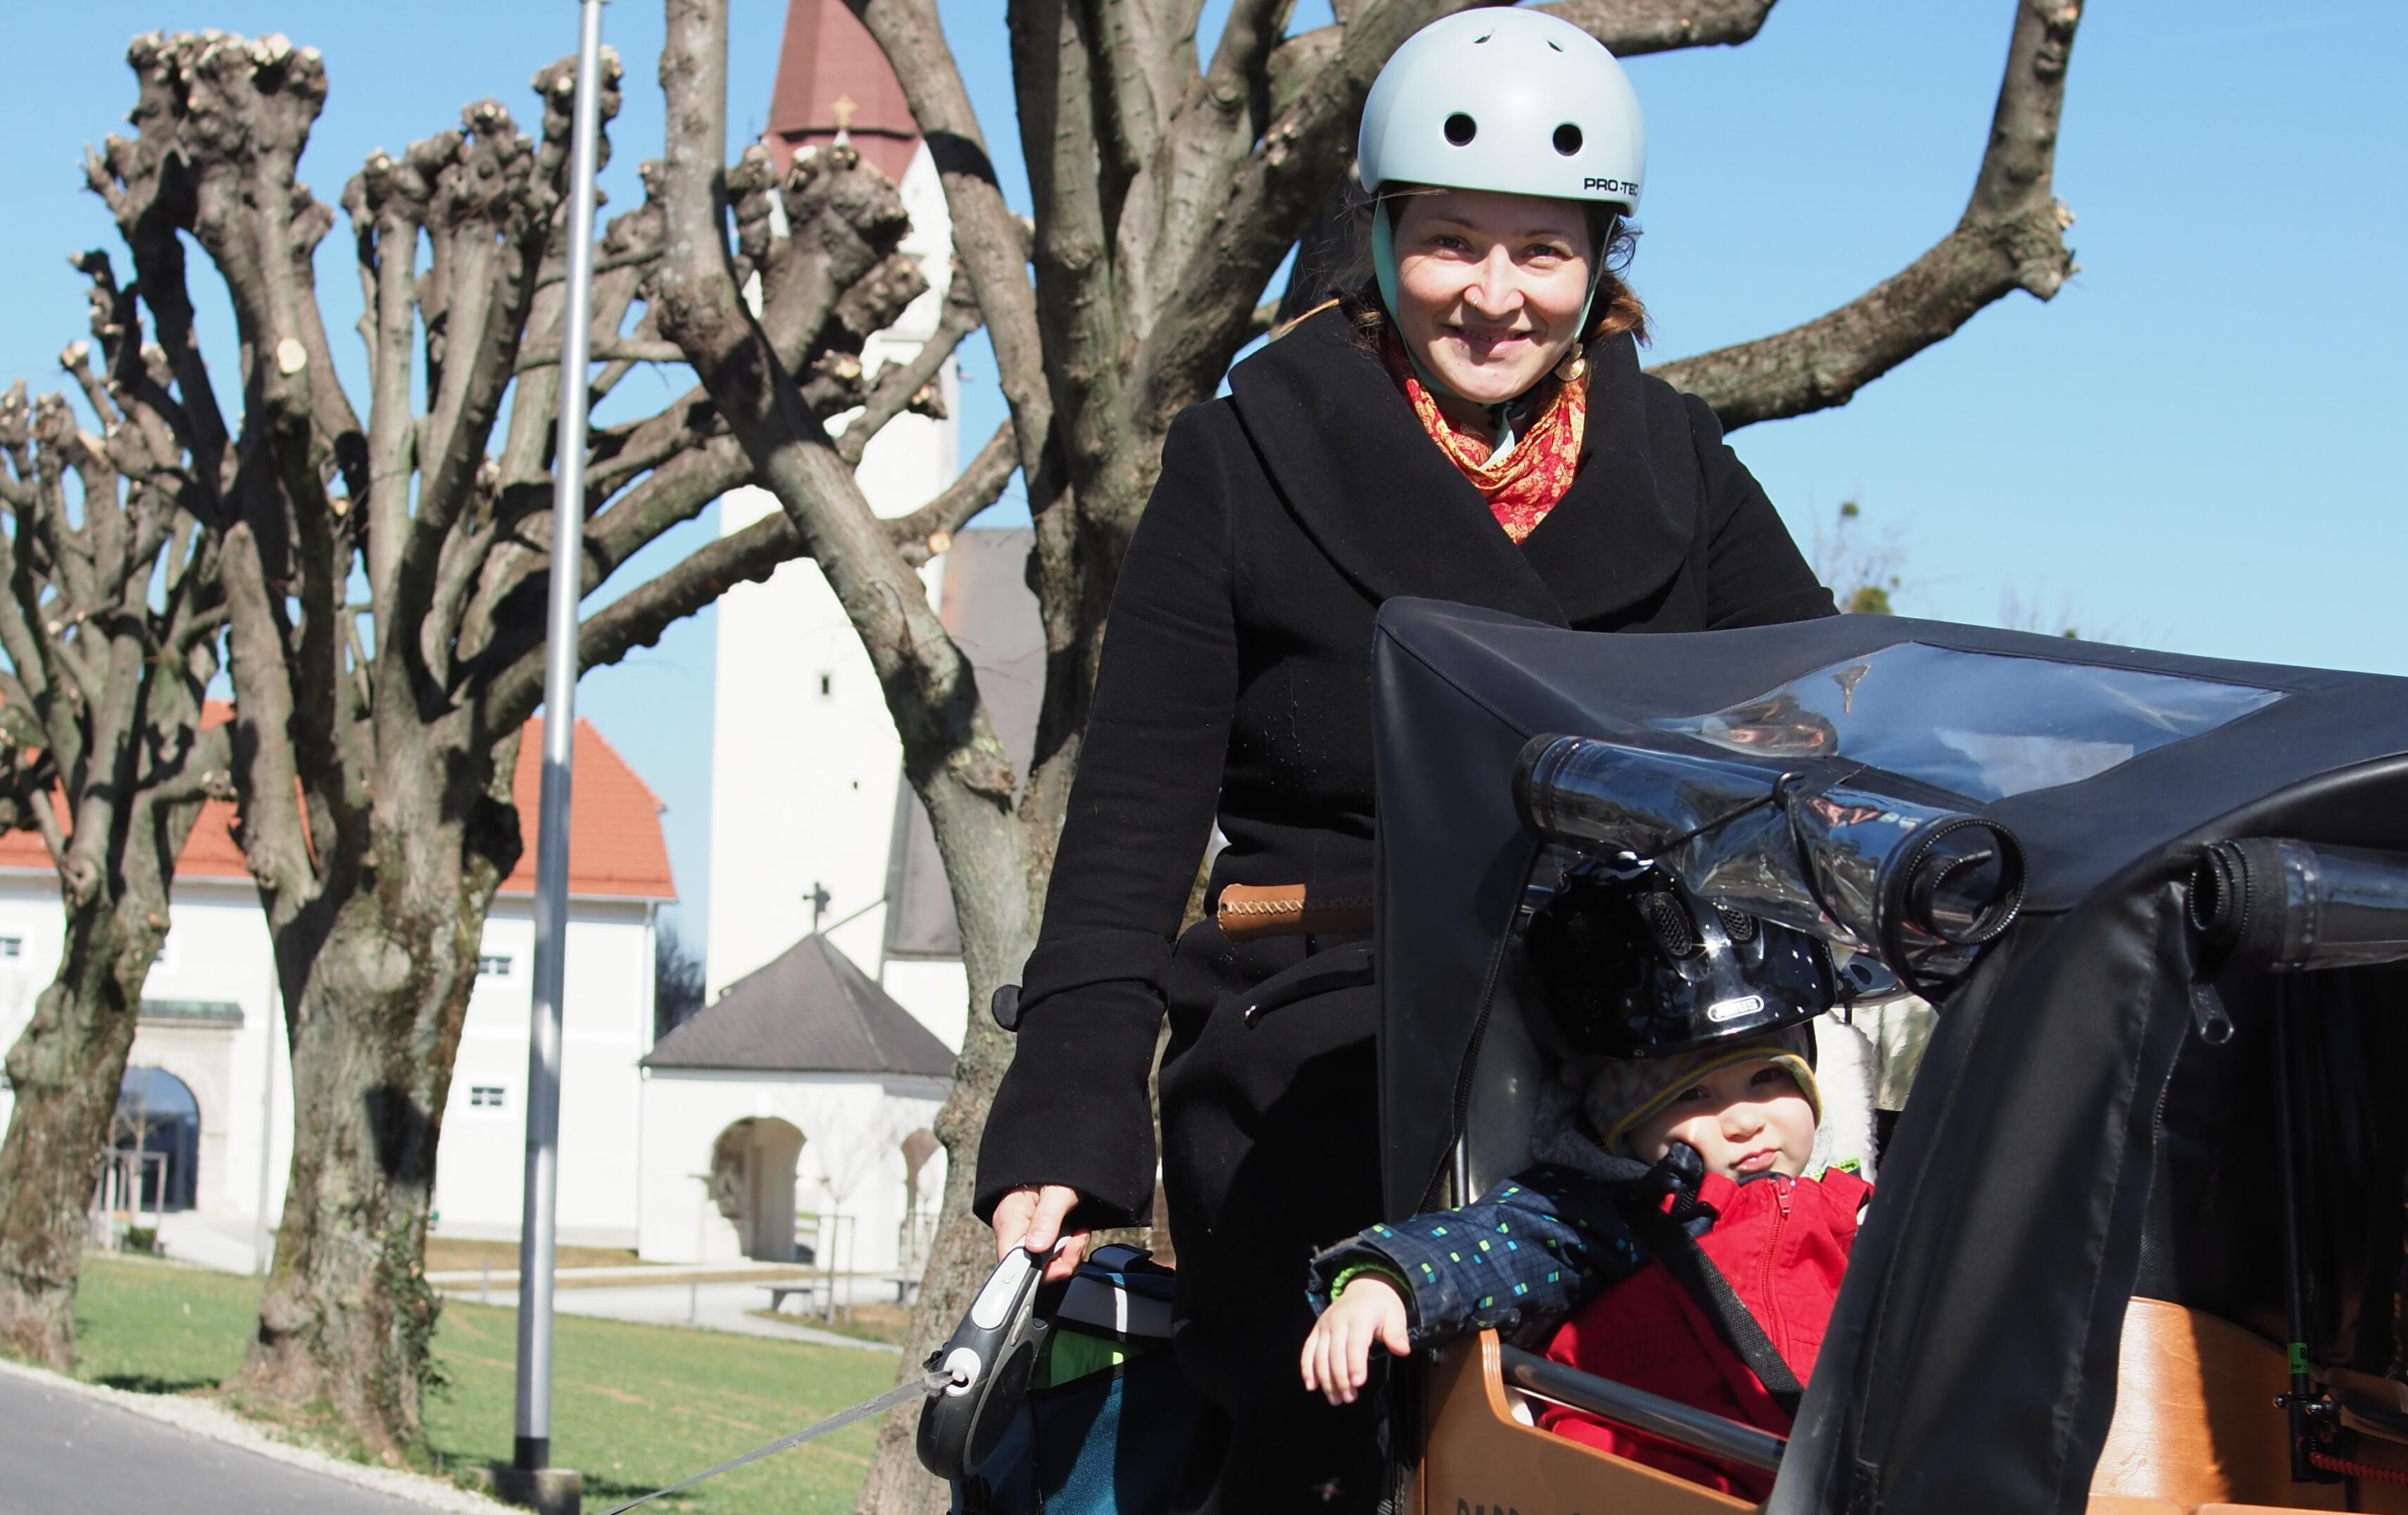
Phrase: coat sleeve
pixel 1073 1107
pixel 1756 576
pixel 1516 1261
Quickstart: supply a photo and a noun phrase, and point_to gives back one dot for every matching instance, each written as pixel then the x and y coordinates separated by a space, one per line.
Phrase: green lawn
pixel 634 1407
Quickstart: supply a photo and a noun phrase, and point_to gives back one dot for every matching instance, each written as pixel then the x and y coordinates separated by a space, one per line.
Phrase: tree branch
pixel 951 753
pixel 54 839
pixel 275 845
pixel 2010 236
pixel 989 241
pixel 1079 301
pixel 606 351
pixel 1208 296
pixel 638 617
pixel 917 535
pixel 1629 28
pixel 899 383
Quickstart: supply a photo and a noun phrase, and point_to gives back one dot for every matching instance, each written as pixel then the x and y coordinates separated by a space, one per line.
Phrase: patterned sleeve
pixel 1516 1261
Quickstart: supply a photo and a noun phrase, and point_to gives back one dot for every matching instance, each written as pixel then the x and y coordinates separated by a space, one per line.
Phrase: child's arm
pixel 1338 1354
pixel 1528 1252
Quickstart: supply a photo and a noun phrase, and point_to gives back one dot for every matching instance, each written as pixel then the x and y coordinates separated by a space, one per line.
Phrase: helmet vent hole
pixel 1568 137
pixel 1737 926
pixel 1670 925
pixel 1461 129
pixel 1552 43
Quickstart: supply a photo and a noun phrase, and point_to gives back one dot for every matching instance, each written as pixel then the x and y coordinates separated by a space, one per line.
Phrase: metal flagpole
pixel 533 1450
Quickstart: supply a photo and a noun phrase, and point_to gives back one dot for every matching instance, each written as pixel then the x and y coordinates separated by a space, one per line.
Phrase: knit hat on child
pixel 1625 1093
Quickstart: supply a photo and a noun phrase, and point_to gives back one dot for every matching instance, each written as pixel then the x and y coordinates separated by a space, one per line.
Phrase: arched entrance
pixel 753 1184
pixel 156 1135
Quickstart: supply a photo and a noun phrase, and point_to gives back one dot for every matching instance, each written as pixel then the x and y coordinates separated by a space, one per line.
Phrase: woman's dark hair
pixel 1616 311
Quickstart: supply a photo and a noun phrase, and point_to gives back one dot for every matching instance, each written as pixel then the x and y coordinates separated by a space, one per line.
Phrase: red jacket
pixel 1782 1244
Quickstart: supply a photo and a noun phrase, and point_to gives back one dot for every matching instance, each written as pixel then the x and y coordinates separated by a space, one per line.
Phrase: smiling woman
pixel 1468 422
pixel 1491 289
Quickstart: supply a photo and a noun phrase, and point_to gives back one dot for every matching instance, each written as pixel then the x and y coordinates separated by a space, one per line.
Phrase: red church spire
pixel 833 80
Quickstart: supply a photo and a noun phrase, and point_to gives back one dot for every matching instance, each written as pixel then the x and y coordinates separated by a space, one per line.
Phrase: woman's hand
pixel 1032 1218
pixel 1338 1354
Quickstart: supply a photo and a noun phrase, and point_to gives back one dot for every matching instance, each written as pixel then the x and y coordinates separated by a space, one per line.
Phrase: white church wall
pixel 853 1162
pixel 217 952
pixel 935 991
pixel 805 762
pixel 606 1027
pixel 804 758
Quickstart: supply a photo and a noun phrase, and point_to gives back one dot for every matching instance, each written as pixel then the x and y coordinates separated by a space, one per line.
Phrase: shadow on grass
pixel 151 1383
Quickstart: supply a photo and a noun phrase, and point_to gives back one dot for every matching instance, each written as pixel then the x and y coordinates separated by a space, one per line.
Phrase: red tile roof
pixel 832 78
pixel 615 849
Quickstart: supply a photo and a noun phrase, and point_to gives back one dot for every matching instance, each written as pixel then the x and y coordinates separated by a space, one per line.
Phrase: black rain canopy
pixel 2016 818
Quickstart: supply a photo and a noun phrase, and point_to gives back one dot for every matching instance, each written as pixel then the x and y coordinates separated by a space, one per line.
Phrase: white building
pixel 209 1058
pixel 828 906
pixel 805 760
pixel 812 1092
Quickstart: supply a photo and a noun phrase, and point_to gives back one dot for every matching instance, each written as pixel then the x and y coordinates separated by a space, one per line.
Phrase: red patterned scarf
pixel 1524 486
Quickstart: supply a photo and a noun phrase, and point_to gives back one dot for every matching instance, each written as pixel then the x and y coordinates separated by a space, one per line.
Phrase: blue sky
pixel 2187 448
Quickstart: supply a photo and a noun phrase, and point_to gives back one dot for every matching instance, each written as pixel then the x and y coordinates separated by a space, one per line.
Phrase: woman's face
pixel 1746 1120
pixel 1489 287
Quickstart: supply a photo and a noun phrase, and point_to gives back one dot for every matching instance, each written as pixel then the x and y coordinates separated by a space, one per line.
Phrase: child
pixel 1780 1238
pixel 1555 1242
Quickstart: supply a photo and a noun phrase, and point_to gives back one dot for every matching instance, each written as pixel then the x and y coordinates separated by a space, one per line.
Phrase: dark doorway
pixel 158 1118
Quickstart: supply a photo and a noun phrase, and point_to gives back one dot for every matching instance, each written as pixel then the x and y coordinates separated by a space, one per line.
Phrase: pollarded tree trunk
pixel 376 992
pixel 374 733
pixel 110 622
pixel 66 1069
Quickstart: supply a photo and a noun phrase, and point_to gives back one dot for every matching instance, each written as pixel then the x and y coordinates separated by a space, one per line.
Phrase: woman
pixel 1472 427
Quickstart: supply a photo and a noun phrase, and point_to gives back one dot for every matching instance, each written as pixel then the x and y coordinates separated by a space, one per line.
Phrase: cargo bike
pixel 2139 1245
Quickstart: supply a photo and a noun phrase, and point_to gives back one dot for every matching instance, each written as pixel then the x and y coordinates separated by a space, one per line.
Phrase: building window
pixel 493 965
pixel 12 946
pixel 485 1096
pixel 827 684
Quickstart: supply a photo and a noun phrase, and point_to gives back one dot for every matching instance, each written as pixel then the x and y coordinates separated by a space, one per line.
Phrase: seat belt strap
pixel 1703 1282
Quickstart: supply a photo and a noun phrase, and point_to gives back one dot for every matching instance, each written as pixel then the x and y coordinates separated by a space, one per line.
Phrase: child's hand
pixel 1338 1354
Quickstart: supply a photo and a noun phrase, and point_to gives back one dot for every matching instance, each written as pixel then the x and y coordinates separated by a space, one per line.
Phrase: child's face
pixel 1745 1121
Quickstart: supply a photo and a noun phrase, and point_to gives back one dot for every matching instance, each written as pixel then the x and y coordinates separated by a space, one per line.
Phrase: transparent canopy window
pixel 1981 725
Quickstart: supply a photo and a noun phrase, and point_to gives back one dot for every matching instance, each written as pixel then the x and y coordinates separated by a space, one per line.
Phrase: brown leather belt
pixel 1251 912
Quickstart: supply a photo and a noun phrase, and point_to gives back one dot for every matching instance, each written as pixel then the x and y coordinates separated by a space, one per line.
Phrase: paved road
pixel 64 1454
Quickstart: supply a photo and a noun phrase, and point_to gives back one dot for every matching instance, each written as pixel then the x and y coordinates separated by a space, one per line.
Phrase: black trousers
pixel 1271 1153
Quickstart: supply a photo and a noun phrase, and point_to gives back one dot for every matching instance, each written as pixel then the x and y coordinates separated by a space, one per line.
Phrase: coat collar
pixel 1353 463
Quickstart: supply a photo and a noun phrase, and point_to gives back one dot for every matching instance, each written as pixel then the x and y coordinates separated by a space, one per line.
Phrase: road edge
pixel 214 1422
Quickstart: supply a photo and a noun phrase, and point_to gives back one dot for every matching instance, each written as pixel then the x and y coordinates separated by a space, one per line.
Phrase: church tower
pixel 806 762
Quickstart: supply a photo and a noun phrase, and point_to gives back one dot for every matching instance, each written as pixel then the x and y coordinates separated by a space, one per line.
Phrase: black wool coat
pixel 1236 685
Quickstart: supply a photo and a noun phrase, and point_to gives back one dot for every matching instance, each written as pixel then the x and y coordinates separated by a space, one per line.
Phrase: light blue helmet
pixel 1508 100
pixel 1501 99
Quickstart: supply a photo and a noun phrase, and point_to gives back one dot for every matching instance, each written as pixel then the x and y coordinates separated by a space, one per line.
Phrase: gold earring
pixel 1572 367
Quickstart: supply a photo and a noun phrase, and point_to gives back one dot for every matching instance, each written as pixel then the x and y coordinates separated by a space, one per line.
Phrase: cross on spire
pixel 834 85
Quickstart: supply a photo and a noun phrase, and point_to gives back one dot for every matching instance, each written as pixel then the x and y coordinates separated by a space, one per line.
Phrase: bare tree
pixel 111 626
pixel 1862 576
pixel 677 981
pixel 385 578
pixel 1167 189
